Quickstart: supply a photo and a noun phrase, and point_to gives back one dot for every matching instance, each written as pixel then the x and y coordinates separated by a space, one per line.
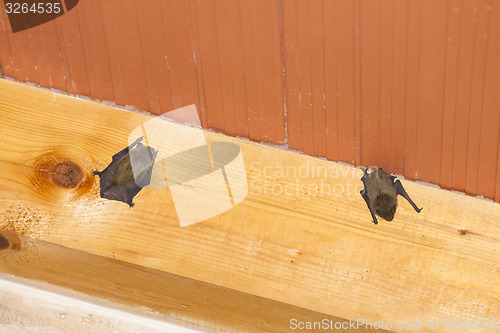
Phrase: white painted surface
pixel 27 306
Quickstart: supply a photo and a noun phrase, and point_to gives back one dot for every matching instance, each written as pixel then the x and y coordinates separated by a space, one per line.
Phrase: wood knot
pixel 462 232
pixel 9 240
pixel 4 242
pixel 67 174
pixel 63 173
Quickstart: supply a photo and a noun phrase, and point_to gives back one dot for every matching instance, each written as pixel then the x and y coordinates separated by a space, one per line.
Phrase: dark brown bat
pixel 380 194
pixel 128 173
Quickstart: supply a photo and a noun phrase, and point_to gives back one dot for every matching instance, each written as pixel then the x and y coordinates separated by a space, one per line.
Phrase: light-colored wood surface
pixel 303 236
pixel 28 307
pixel 156 294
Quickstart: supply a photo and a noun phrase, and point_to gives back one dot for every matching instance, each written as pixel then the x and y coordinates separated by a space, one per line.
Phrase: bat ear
pixel 365 174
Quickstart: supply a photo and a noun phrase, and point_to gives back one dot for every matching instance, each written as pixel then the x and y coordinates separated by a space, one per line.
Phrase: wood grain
pixel 303 236
pixel 154 293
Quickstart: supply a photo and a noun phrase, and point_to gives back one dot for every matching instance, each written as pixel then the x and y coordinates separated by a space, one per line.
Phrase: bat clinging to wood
pixel 380 194
pixel 128 173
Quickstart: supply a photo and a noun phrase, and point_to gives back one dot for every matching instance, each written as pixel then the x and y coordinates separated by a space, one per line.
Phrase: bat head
pixel 385 206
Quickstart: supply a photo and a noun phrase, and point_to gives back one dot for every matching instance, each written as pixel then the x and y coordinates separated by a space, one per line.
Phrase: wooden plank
pixel 210 64
pixel 44 44
pixel 465 65
pixel 412 83
pixel 292 74
pixel 161 53
pixel 6 58
pixel 267 37
pixel 348 81
pixel 222 14
pixel 386 86
pixel 154 293
pixel 400 41
pixel 23 60
pixel 331 88
pixel 478 95
pixel 29 307
pixel 73 54
pixel 370 83
pixel 489 155
pixel 302 236
pixel 111 33
pixel 317 50
pixel 432 60
pixel 91 25
pixel 235 44
pixel 450 94
pixel 305 75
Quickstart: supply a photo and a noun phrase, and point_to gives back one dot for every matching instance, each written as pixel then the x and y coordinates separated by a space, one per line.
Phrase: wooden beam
pixel 29 306
pixel 153 292
pixel 303 235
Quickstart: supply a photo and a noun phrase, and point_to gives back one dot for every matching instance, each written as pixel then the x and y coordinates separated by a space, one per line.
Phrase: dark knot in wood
pixel 67 174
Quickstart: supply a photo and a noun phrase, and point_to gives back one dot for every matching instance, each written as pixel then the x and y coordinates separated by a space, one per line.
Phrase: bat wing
pixel 398 187
pixel 124 193
pixel 125 151
pixel 144 159
pixel 364 194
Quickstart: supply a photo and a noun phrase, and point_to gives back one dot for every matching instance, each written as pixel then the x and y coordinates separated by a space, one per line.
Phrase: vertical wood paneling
pixel 347 64
pixel 235 45
pixel 488 183
pixel 94 48
pixel 292 72
pixel 269 70
pixel 370 83
pixel 249 38
pixel 177 54
pixel 331 77
pixel 44 42
pixel 477 96
pixel 431 89
pixel 111 33
pixel 130 54
pixel 6 58
pixel 23 62
pixel 179 19
pixel 305 77
pixel 386 83
pixel 317 33
pixel 412 85
pixel 224 57
pixel 407 85
pixel 450 93
pixel 73 54
pixel 399 65
pixel 465 63
pixel 150 34
pixel 209 62
pixel 262 59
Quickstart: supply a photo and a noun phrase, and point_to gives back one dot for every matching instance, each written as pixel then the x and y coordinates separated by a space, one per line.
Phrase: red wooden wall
pixel 409 85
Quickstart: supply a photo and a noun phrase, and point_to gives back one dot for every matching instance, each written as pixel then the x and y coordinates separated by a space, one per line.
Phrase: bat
pixel 380 194
pixel 128 173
